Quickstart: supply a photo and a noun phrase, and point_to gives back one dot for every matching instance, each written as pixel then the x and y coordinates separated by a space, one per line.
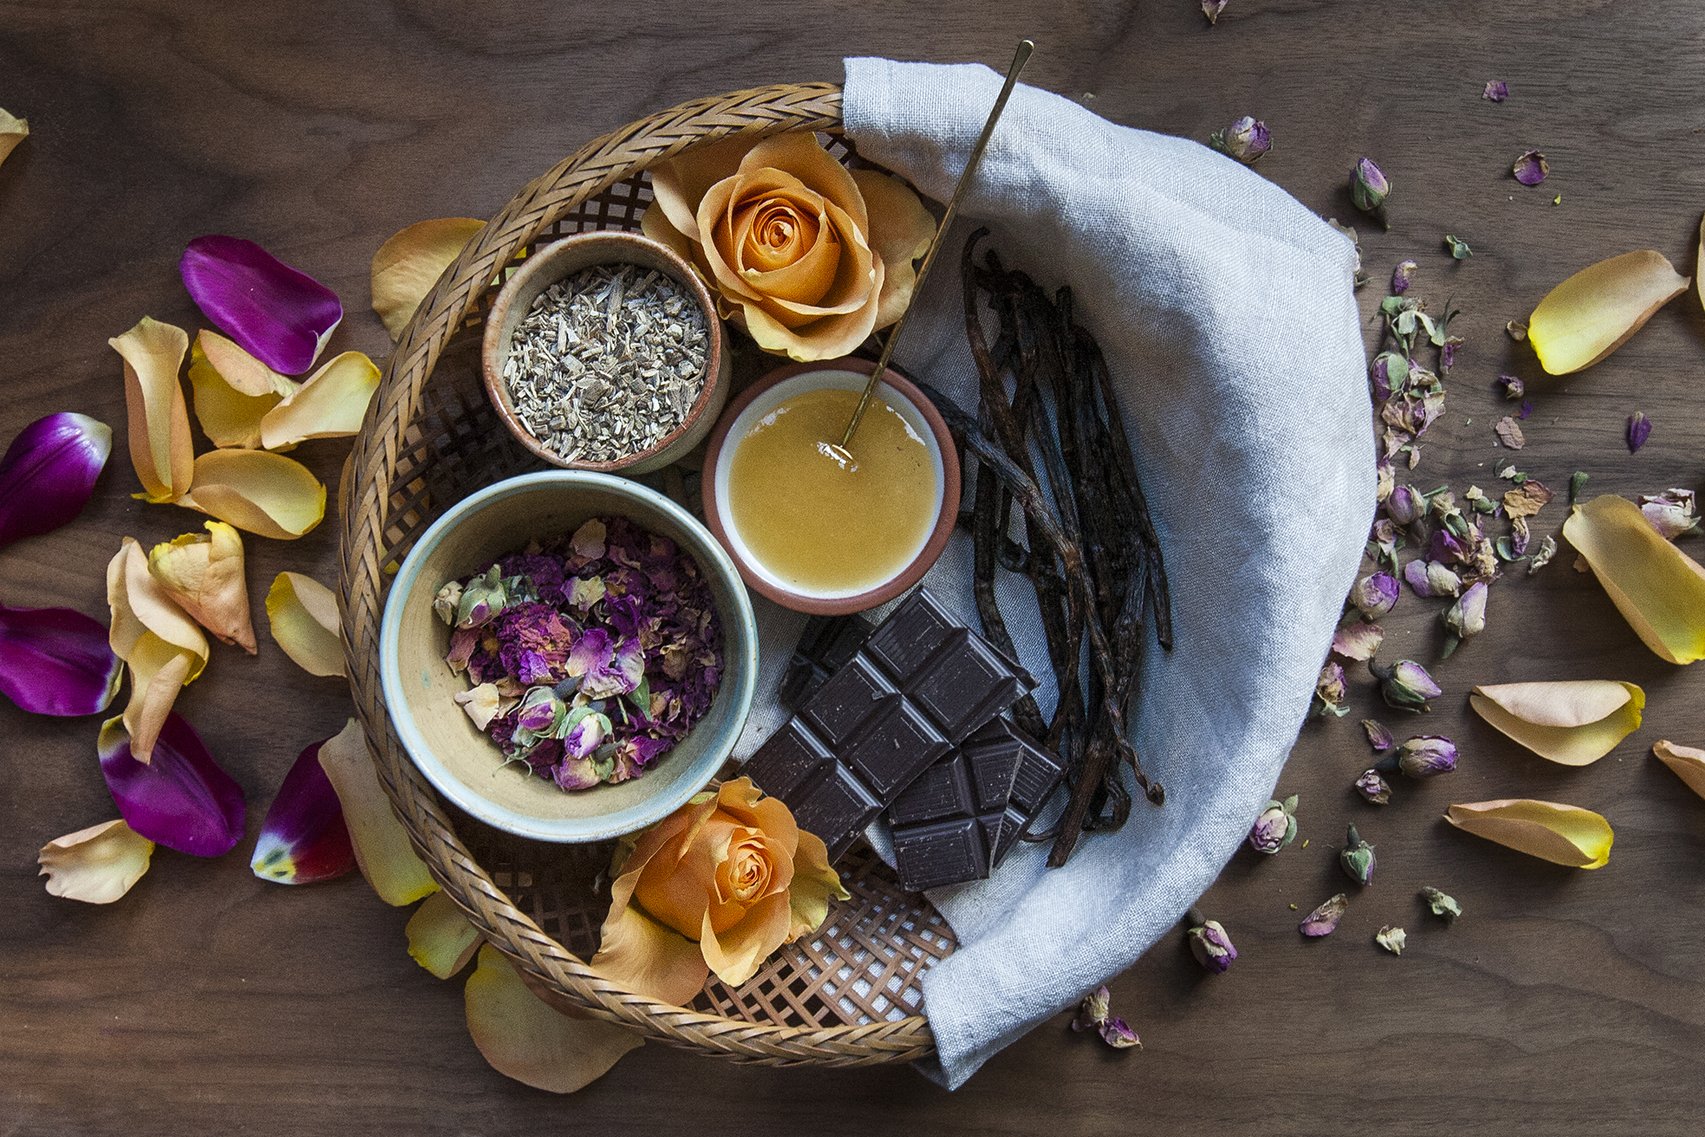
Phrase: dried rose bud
pixel 1323 921
pixel 1391 939
pixel 1115 1033
pixel 1378 737
pixel 1375 594
pixel 1245 140
pixel 1330 690
pixel 1209 943
pixel 1448 350
pixel 1639 429
pixel 1094 1009
pixel 1369 187
pixel 1212 9
pixel 1467 617
pixel 1444 907
pixel 1459 249
pixel 1426 755
pixel 1496 90
pixel 1276 826
pixel 1530 169
pixel 1356 857
pixel 1373 787
pixel 1406 505
pixel 483 598
pixel 1402 276
pixel 447 601
pixel 1671 513
pixel 1512 386
pixel 1430 579
pixel 1406 685
pixel 540 711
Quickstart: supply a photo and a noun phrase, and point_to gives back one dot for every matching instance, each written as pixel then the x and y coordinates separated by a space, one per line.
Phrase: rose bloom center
pixel 746 873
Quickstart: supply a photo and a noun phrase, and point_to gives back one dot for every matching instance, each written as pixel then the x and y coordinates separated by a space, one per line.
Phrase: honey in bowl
pixel 816 522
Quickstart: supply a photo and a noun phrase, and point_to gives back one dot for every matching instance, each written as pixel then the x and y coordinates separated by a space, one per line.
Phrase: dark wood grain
pixel 208 1002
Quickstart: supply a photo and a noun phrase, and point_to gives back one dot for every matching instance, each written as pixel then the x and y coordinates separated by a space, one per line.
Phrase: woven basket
pixel 850 995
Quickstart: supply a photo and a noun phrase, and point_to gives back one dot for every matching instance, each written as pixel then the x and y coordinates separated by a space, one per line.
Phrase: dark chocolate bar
pixel 825 646
pixel 1039 774
pixel 948 823
pixel 918 686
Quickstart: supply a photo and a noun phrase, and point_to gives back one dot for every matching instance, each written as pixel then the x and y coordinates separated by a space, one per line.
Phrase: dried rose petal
pixel 1212 9
pixel 1639 429
pixel 1512 387
pixel 1596 310
pixel 180 798
pixel 1323 921
pixel 1373 787
pixel 304 839
pixel 56 661
pixel 1402 276
pixel 1378 736
pixel 1358 641
pixel 1444 907
pixel 1496 91
pixel 278 314
pixel 1562 834
pixel 1672 513
pixel 1391 939
pixel 1509 433
pixel 1530 168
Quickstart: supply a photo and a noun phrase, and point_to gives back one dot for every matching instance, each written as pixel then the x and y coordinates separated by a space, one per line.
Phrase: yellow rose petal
pixel 305 623
pixel 900 232
pixel 1562 834
pixel 1594 312
pixel 233 390
pixel 382 849
pixel 408 264
pixel 1659 589
pixel 1687 763
pixel 203 574
pixel 440 938
pixel 330 404
pixel 526 1039
pixel 815 883
pixel 163 648
pixel 13 130
pixel 160 445
pixel 1574 722
pixel 96 865
pixel 257 491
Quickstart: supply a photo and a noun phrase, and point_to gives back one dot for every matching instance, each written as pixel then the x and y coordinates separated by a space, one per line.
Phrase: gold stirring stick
pixel 1019 58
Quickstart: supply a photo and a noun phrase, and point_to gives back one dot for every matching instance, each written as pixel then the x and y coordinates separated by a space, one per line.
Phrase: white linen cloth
pixel 1226 312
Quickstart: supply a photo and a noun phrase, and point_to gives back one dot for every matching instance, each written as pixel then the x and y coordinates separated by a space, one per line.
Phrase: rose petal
pixel 381 844
pixel 408 264
pixel 303 839
pixel 1658 589
pixel 305 623
pixel 96 865
pixel 181 799
pixel 162 646
pixel 48 473
pixel 643 956
pixel 736 953
pixel 329 404
pixel 526 1039
pixel 233 390
pixel 440 938
pixel 482 703
pixel 1687 763
pixel 1573 722
pixel 1530 168
pixel 257 491
pixel 1562 834
pixel 680 183
pixel 160 445
pixel 204 576
pixel 900 232
pixel 279 314
pixel 13 130
pixel 55 661
pixel 1593 313
pixel 1357 641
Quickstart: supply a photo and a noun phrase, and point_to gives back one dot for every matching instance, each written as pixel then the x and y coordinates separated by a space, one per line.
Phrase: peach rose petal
pixel 901 228
pixel 681 182
pixel 736 954
pixel 800 154
pixel 1573 723
pixel 263 493
pixel 410 262
pixel 382 849
pixel 163 648
pixel 305 623
pixel 1595 311
pixel 330 403
pixel 160 445
pixel 1686 762
pixel 526 1039
pixel 203 574
pixel 13 130
pixel 233 390
pixel 1659 589
pixel 440 938
pixel 96 865
pixel 1561 834
pixel 643 956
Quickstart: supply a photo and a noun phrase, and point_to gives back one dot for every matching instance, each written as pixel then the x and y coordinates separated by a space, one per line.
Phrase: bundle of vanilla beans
pixel 1085 541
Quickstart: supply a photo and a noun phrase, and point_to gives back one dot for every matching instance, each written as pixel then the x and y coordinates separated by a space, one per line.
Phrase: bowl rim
pixel 543 261
pixel 743 673
pixel 906 577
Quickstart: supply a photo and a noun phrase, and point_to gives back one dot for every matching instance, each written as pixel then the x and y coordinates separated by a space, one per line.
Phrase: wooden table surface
pixel 207 1002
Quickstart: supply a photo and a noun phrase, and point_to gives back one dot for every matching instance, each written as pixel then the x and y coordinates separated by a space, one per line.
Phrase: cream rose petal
pixel 163 648
pixel 160 444
pixel 1659 589
pixel 1595 311
pixel 382 849
pixel 526 1039
pixel 1686 762
pixel 203 574
pixel 96 865
pixel 258 491
pixel 330 404
pixel 1563 834
pixel 482 703
pixel 440 938
pixel 220 377
pixel 13 130
pixel 901 228
pixel 410 262
pixel 305 623
pixel 1573 722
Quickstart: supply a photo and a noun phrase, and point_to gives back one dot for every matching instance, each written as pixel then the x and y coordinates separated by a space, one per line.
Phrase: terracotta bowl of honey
pixel 825 532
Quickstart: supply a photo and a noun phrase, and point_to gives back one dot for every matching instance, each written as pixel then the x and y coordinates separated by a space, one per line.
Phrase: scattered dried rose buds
pixel 1275 828
pixel 1375 594
pixel 1323 921
pixel 1406 685
pixel 1209 943
pixel 1402 276
pixel 1639 429
pixel 1369 188
pixel 1496 91
pixel 1373 787
pixel 1245 140
pixel 1426 755
pixel 1512 387
pixel 1329 691
pixel 1095 1013
pixel 1467 617
pixel 1356 857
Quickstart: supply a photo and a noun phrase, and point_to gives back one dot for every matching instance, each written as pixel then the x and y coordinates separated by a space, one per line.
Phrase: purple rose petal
pixel 304 839
pixel 181 798
pixel 55 661
pixel 1496 91
pixel 1530 169
pixel 49 472
pixel 1639 429
pixel 278 314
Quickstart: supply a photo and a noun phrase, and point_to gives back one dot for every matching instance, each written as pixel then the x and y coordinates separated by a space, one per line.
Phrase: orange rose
pixel 716 886
pixel 807 256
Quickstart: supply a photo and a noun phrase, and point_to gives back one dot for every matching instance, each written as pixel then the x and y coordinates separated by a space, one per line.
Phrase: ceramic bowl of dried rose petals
pixel 568 655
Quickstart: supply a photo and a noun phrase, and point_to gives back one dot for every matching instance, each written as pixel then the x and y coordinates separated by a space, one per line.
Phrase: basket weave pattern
pixel 849 995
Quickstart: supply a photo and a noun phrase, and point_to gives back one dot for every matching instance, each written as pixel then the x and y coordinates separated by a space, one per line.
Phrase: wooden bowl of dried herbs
pixel 604 352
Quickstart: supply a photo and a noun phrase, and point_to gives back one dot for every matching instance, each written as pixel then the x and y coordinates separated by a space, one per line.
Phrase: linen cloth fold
pixel 1227 315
